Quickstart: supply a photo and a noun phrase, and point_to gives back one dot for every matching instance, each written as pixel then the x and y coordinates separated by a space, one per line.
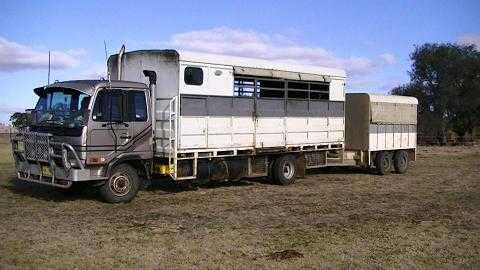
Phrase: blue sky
pixel 372 40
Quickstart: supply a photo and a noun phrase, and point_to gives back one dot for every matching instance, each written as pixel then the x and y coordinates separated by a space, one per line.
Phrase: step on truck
pixel 194 116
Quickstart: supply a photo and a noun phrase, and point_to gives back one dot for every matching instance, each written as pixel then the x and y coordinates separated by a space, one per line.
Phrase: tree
pixel 446 80
pixel 20 120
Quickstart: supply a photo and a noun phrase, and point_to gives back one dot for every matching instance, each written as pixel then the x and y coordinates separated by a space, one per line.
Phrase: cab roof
pixel 89 86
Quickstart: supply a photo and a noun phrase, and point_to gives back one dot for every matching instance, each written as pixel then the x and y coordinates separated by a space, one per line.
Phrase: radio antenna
pixel 106 62
pixel 48 79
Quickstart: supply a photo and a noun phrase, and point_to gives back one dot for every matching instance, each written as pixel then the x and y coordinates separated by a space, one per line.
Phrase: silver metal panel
pixel 318 108
pixel 243 107
pixel 298 108
pixel 270 107
pixel 393 113
pixel 219 106
pixel 193 106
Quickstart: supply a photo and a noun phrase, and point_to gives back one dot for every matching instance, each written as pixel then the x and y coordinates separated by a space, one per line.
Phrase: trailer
pixel 381 130
pixel 191 115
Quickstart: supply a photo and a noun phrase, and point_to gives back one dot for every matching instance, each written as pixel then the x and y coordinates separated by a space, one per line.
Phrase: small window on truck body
pixel 193 76
pixel 260 87
pixel 271 88
pixel 319 91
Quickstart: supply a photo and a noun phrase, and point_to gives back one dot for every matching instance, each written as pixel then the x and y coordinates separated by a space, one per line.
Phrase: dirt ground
pixel 334 218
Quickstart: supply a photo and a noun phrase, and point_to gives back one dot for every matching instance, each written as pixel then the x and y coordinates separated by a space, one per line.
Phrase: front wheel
pixel 122 186
pixel 284 170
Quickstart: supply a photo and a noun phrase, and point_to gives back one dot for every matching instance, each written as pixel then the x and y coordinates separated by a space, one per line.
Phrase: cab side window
pixel 108 106
pixel 136 106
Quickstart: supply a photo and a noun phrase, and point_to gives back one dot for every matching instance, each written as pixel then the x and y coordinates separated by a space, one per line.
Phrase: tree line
pixel 445 78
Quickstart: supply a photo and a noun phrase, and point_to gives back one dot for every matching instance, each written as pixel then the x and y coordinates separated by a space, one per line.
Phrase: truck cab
pixel 89 130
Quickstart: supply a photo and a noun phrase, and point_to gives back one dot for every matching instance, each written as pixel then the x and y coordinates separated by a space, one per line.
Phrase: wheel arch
pixel 133 160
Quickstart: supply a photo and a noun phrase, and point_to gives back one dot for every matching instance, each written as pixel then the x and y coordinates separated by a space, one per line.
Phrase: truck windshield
pixel 61 107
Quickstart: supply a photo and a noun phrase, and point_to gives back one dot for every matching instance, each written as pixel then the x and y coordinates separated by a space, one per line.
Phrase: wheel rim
pixel 288 170
pixel 120 185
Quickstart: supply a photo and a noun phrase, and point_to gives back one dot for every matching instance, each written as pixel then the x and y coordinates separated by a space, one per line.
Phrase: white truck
pixel 193 115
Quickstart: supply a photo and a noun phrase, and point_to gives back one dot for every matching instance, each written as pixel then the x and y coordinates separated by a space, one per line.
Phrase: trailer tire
pixel 285 170
pixel 400 161
pixel 122 185
pixel 383 163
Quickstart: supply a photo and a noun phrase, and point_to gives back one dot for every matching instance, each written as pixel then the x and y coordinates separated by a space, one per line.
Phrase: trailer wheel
pixel 122 186
pixel 285 170
pixel 383 163
pixel 400 161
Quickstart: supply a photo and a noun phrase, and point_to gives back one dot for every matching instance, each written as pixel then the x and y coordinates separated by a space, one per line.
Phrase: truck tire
pixel 284 170
pixel 400 161
pixel 383 163
pixel 122 185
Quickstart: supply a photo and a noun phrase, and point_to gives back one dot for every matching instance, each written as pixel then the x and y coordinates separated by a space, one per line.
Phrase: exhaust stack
pixel 152 83
pixel 119 62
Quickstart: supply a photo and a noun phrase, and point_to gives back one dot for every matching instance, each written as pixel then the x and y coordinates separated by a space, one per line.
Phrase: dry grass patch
pixel 335 218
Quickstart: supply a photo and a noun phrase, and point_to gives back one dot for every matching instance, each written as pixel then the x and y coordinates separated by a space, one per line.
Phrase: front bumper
pixel 52 163
pixel 59 177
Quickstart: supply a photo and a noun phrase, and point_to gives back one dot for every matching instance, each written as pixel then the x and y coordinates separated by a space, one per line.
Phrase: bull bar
pixel 42 160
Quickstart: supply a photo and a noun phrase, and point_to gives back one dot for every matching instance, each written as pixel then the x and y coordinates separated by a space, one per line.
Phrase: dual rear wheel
pixel 386 161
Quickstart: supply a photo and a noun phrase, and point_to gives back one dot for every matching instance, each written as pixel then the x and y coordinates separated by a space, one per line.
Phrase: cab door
pixel 108 132
pixel 140 122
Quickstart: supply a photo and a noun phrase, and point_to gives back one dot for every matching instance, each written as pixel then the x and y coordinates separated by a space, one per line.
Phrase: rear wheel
pixel 122 186
pixel 383 163
pixel 284 170
pixel 400 161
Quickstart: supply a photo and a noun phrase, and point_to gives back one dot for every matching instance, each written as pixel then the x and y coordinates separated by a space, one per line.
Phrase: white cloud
pixel 470 39
pixel 224 40
pixel 388 58
pixel 15 56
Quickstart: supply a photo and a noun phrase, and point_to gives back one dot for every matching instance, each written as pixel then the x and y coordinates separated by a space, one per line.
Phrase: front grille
pixel 36 146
